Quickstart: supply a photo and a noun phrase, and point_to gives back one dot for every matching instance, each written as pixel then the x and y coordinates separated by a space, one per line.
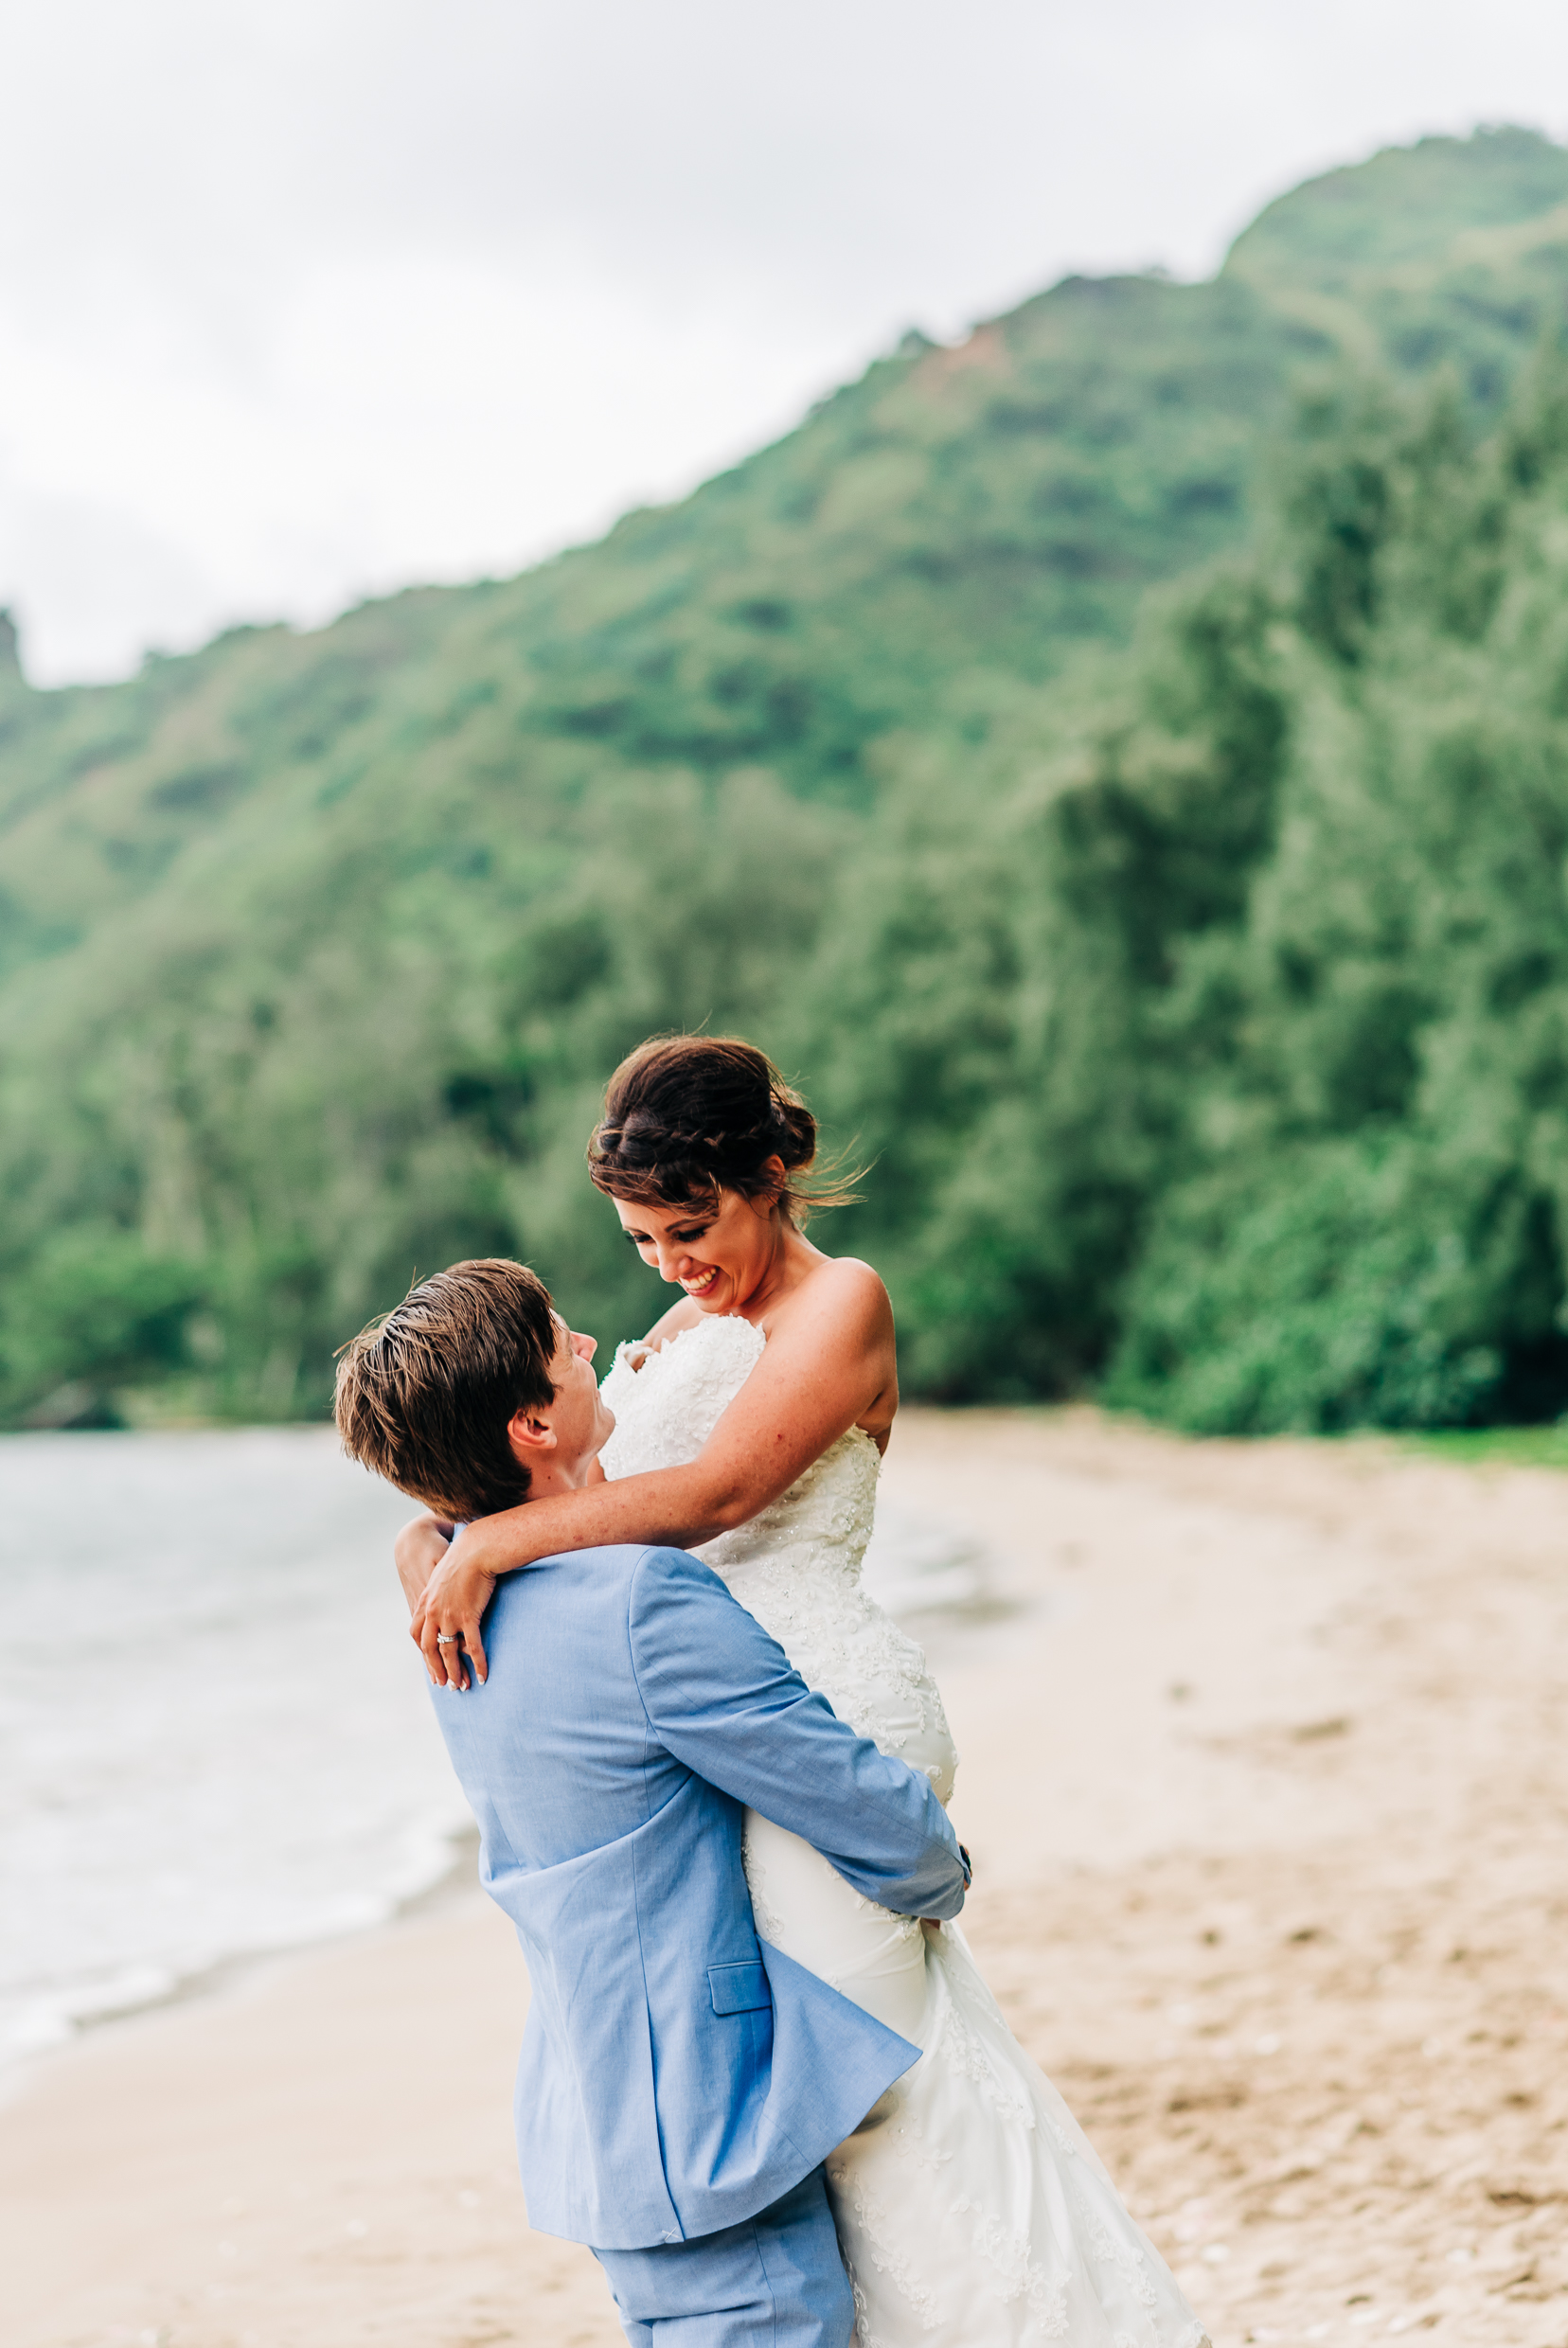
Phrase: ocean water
pixel 215 1738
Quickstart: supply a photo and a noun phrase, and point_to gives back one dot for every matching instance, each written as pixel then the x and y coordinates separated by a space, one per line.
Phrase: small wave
pixel 38 2020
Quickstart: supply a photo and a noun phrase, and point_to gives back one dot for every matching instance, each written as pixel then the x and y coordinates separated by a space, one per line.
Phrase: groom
pixel 681 2082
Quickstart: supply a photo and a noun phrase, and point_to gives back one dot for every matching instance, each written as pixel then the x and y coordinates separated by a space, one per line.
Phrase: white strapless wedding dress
pixel 972 2210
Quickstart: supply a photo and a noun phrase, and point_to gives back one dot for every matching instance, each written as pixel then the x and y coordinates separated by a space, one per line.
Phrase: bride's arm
pixel 416 1552
pixel 816 1376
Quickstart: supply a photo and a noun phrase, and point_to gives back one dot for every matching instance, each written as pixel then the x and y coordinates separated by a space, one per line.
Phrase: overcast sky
pixel 304 298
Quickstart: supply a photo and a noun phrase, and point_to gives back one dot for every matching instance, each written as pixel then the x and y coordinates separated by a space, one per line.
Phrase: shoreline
pixel 1265 1784
pixel 240 1968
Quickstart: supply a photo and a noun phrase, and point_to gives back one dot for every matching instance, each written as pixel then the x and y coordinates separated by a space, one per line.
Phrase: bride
pixel 750 1426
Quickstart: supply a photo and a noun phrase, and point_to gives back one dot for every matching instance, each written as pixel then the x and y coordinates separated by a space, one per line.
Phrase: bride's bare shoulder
pixel 848 1290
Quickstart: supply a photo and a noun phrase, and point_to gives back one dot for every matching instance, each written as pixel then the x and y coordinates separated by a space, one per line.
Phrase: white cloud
pixel 300 300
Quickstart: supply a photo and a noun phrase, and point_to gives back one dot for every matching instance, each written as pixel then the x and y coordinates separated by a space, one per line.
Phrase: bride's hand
pixel 447 1618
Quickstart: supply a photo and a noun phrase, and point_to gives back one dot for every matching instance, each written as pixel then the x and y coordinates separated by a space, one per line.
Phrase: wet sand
pixel 1266 1778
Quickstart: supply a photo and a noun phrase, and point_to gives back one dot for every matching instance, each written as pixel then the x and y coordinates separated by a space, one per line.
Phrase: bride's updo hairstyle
pixel 686 1116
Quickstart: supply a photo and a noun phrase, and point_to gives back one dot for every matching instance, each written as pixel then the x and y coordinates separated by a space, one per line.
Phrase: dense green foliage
pixel 1267 1113
pixel 1367 1221
pixel 1120 764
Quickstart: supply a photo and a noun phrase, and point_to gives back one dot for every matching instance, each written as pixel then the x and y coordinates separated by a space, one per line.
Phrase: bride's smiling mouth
pixel 700 1286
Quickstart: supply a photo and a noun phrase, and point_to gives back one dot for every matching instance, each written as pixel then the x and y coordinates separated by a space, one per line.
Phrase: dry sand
pixel 1266 1779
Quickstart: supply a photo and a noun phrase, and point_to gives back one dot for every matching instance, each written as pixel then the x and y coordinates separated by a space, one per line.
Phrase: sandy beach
pixel 1265 1774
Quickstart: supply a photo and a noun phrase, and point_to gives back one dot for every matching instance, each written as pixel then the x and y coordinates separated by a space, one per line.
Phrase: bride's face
pixel 719 1255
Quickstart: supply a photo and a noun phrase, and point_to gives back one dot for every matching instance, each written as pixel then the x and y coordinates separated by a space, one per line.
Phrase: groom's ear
pixel 530 1434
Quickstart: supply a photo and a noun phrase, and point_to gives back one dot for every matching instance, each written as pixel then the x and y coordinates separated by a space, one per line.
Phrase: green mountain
pixel 314 949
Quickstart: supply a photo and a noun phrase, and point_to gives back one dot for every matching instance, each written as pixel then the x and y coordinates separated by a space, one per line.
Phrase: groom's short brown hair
pixel 424 1394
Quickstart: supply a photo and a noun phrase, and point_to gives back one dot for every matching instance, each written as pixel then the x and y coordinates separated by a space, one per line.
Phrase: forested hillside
pixel 1118 763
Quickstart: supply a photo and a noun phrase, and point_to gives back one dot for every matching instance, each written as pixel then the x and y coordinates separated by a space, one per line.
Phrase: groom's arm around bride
pixel 681 2082
pixel 677 2074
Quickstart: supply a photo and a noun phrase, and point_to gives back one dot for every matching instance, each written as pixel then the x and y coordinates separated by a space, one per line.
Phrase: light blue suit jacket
pixel 677 2075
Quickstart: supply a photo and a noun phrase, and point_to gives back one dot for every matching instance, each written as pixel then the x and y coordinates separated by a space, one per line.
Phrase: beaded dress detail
pixel 972 2210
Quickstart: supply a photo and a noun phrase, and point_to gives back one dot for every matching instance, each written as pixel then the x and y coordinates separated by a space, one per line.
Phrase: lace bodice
pixel 797 1565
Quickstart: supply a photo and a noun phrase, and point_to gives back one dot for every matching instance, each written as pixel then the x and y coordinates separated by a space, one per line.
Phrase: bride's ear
pixel 774 1175
pixel 530 1434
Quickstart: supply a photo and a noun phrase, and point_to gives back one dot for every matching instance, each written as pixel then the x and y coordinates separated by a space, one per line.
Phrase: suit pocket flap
pixel 739 1988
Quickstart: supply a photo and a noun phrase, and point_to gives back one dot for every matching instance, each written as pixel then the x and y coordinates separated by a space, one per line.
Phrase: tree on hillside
pixel 1363 1218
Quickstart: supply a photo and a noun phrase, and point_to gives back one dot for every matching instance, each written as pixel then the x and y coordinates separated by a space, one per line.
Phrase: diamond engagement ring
pixel 449 1638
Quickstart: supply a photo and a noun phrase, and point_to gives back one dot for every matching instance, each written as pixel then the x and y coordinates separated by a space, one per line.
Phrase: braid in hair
pixel 686 1116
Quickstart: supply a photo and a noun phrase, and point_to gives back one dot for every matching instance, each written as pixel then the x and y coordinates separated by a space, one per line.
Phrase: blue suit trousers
pixel 774 2280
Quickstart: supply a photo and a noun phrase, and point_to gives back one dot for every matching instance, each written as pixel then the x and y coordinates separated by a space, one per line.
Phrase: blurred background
pixel 1019 557
pixel 1112 750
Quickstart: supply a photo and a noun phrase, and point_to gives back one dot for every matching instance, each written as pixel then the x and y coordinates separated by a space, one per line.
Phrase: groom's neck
pixel 568 1475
